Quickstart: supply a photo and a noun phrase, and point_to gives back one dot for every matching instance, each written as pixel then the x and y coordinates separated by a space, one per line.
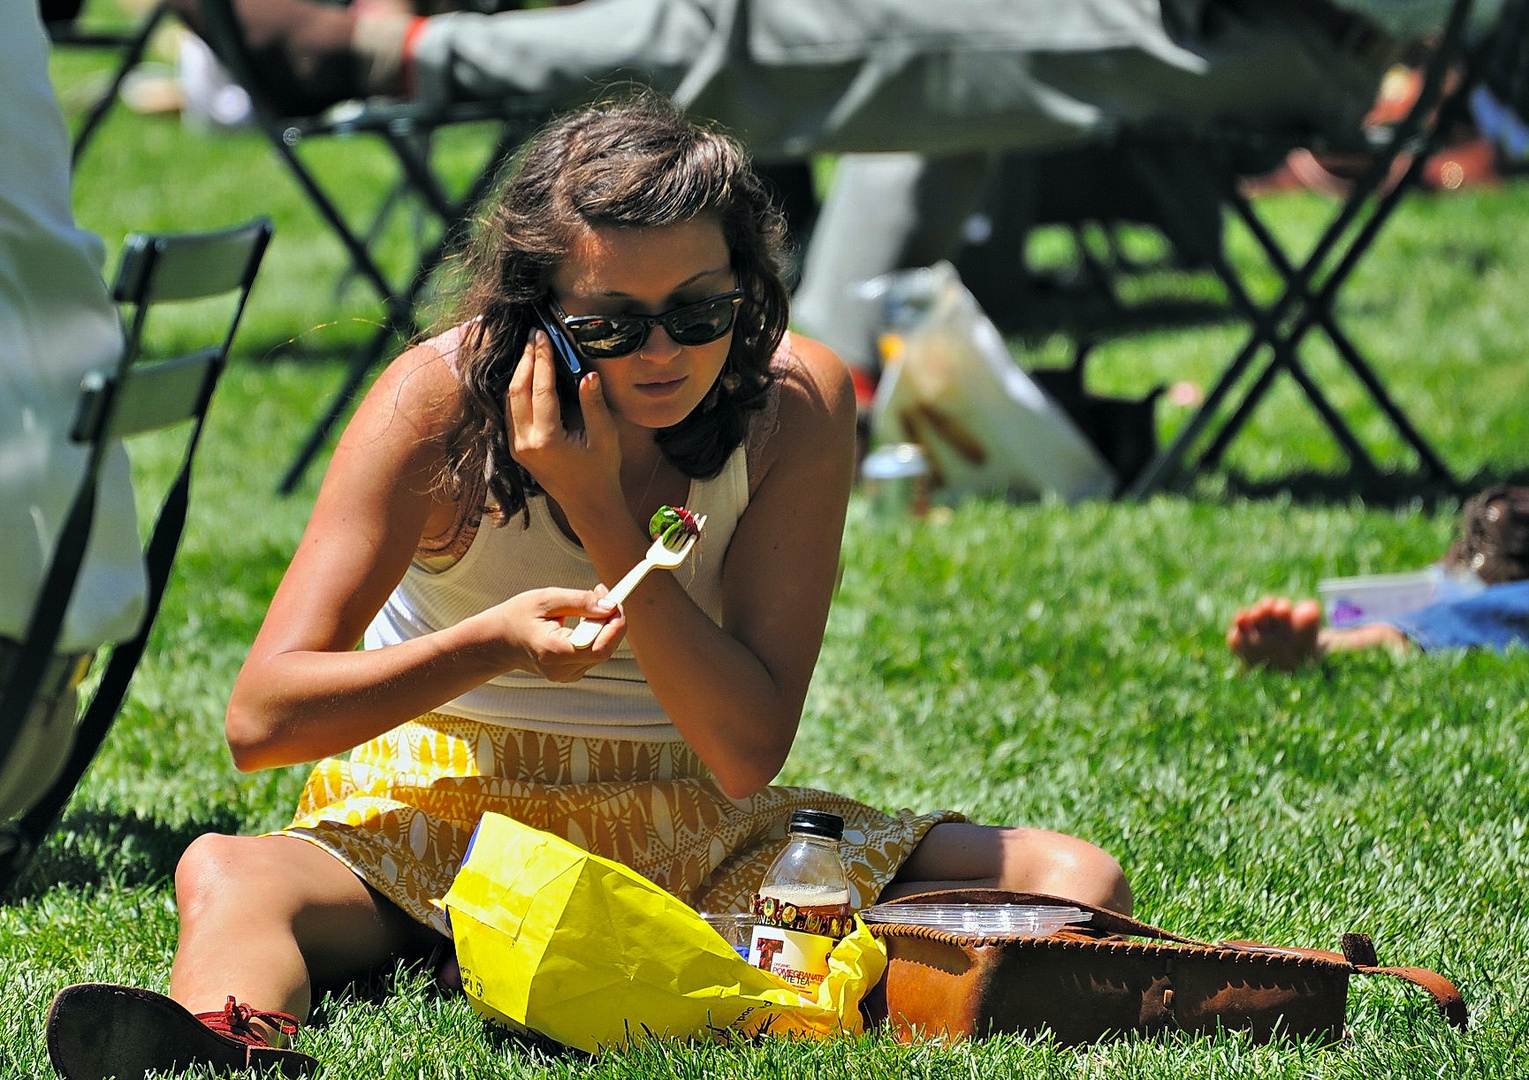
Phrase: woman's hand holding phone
pixel 570 369
pixel 579 466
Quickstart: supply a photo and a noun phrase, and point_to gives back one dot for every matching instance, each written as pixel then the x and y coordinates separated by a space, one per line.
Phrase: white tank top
pixel 613 700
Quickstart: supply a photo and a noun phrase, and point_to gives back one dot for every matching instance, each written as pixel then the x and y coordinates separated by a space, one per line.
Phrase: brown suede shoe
pixel 97 1030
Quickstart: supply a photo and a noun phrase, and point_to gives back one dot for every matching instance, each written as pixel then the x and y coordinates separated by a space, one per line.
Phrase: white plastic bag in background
pixel 949 384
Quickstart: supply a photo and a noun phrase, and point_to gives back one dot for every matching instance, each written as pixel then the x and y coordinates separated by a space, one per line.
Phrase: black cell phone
pixel 566 362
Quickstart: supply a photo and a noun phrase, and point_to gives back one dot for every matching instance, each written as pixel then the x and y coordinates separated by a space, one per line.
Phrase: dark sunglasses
pixel 604 337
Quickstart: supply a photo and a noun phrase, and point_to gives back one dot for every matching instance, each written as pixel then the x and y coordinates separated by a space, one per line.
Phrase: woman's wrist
pixel 485 645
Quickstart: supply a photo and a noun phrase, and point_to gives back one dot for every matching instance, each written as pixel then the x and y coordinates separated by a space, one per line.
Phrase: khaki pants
pixel 47 733
pixel 798 77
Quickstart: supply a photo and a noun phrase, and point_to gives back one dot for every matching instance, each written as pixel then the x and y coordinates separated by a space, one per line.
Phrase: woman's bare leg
pixel 957 855
pixel 265 918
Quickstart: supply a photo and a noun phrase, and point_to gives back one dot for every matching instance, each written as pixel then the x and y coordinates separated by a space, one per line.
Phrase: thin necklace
pixel 642 501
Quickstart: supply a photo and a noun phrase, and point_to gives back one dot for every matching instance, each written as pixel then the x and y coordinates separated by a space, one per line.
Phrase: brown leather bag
pixel 1088 982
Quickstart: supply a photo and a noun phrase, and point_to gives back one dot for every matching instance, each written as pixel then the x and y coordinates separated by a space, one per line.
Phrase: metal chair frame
pixel 407 130
pixel 141 394
pixel 1310 286
pixel 132 45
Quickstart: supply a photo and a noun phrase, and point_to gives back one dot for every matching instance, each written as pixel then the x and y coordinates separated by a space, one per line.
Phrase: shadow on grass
pixel 1097 317
pixel 531 1043
pixel 1385 489
pixel 95 844
pixel 402 974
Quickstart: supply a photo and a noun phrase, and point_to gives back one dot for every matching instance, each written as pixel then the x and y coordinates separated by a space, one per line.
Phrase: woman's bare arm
pixel 736 692
pixel 304 691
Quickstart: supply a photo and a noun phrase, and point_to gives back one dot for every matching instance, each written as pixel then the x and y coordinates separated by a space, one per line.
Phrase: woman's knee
pixel 1015 859
pixel 212 866
pixel 260 877
pixel 1067 866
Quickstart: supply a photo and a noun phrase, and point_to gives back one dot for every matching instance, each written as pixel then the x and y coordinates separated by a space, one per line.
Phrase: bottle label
pixel 797 958
pixel 792 941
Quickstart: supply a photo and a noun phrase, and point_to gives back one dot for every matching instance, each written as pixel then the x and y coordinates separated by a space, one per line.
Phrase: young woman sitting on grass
pixel 1493 544
pixel 467 513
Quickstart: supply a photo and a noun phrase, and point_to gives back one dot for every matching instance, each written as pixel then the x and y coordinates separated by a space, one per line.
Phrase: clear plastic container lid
pixel 986 920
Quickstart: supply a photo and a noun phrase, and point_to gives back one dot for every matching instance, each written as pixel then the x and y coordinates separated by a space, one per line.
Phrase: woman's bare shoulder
pixel 813 411
pixel 418 393
pixel 815 388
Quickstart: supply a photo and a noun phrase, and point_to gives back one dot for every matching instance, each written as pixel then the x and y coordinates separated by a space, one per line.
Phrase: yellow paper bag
pixel 588 952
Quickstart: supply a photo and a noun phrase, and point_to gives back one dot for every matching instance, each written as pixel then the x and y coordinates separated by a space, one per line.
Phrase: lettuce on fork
pixel 673 526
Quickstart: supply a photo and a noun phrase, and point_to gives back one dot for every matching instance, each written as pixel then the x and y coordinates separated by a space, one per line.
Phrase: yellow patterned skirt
pixel 401 809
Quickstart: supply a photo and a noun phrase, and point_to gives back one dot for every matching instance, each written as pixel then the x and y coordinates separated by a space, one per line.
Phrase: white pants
pixel 47 733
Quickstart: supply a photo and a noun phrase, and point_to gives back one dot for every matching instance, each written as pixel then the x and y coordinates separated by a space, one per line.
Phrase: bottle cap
pixel 817 823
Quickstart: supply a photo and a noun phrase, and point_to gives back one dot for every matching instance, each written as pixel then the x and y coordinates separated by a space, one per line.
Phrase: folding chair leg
pixel 396 197
pixel 27 833
pixel 400 322
pixel 1317 309
pixel 131 55
pixel 1286 361
pixel 361 258
pixel 1166 465
pixel 1274 328
pixel 1278 330
pixel 1284 344
pixel 1266 331
pixel 1162 471
pixel 413 155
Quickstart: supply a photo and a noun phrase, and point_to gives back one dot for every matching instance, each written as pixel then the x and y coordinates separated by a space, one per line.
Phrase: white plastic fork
pixel 658 557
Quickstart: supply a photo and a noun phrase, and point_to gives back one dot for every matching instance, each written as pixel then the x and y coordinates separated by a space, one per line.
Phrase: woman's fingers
pixel 585 603
pixel 544 382
pixel 533 406
pixel 518 395
pixel 599 428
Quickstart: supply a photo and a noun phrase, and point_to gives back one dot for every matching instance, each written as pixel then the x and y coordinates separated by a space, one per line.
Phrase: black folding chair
pixel 1076 190
pixel 1310 288
pixel 407 129
pixel 130 46
pixel 141 395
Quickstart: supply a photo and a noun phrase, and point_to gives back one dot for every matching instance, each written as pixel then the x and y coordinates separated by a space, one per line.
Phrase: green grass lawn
pixel 1037 663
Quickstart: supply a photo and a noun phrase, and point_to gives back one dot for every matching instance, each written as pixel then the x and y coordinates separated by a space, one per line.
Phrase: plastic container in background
pixel 1349 601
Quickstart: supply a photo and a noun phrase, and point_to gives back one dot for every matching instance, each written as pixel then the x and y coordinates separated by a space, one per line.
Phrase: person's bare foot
pixel 1276 633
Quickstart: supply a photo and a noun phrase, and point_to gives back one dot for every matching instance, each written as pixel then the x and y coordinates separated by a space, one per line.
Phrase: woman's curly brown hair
pixel 1494 535
pixel 637 162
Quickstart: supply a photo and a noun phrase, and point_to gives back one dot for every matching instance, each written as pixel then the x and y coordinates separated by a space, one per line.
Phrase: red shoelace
pixel 234 1019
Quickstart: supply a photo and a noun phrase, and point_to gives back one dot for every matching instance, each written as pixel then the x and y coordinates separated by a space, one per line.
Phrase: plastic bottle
pixel 802 907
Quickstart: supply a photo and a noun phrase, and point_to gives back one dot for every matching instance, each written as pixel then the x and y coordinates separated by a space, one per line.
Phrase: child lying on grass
pixel 1493 544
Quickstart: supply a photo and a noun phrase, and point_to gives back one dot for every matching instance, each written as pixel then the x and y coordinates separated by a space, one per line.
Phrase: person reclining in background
pixel 919 97
pixel 1493 544
pixel 795 77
